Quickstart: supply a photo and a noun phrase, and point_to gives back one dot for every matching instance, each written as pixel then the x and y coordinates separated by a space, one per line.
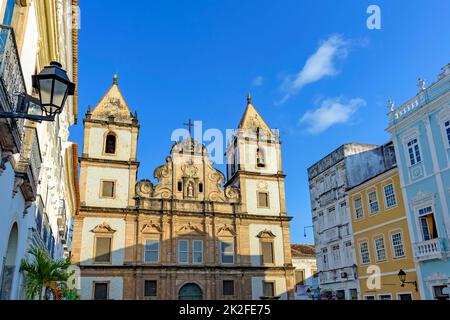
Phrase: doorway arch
pixel 190 291
pixel 9 264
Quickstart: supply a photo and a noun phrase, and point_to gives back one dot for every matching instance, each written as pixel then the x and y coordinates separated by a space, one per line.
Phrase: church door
pixel 190 291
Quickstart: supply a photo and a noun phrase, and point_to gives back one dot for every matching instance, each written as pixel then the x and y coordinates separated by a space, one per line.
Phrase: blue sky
pixel 315 71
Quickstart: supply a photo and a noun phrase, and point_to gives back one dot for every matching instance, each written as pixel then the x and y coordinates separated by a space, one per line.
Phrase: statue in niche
pixel 190 190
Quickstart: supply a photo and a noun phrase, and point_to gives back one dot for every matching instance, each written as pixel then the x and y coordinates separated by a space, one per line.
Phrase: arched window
pixel 260 161
pixel 110 145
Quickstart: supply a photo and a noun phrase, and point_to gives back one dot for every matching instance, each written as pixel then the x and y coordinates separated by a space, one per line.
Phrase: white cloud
pixel 331 111
pixel 258 81
pixel 320 64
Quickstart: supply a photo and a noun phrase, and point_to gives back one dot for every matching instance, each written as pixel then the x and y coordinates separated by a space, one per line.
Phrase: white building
pixel 304 261
pixel 329 179
pixel 38 165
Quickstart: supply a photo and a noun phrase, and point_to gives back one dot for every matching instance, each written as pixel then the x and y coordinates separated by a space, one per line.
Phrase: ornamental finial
pixel 115 79
pixel 249 98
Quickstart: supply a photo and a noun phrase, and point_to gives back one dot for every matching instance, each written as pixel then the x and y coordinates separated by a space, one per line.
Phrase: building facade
pixel 420 130
pixel 187 236
pixel 306 277
pixel 38 165
pixel 329 180
pixel 381 237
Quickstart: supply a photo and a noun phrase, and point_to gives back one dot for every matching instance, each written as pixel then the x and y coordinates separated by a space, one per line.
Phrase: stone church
pixel 193 234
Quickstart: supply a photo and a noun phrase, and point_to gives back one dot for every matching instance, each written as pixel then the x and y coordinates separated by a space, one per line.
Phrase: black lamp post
pixel 53 86
pixel 402 277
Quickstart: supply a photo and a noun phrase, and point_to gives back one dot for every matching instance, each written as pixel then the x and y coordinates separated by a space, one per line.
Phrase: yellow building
pixel 381 238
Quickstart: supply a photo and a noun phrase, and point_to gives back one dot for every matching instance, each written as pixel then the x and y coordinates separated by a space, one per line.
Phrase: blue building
pixel 420 130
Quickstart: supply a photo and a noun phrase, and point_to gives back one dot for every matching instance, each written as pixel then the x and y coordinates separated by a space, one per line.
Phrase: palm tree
pixel 43 272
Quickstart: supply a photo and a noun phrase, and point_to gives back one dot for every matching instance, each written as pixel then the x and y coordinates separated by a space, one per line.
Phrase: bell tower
pixel 108 162
pixel 254 164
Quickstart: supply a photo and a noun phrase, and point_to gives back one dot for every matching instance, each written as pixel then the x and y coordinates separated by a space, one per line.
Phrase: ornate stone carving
pixel 144 189
pixel 151 228
pixel 18 182
pixel 266 234
pixel 189 228
pixel 226 230
pixel 103 228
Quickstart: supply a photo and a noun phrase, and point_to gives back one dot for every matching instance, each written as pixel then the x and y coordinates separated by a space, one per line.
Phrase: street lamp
pixel 53 86
pixel 402 277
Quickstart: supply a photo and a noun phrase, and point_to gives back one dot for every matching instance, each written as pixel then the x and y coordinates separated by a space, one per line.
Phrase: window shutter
pixel 103 249
pixel 267 252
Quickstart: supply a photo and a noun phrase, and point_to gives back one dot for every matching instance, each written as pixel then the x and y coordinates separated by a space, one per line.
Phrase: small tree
pixel 43 272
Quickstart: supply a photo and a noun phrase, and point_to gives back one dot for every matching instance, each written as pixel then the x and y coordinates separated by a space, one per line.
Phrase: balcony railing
pixel 12 82
pixel 431 249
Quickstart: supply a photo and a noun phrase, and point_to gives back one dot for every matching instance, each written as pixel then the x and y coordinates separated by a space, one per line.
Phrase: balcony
pixel 428 250
pixel 12 83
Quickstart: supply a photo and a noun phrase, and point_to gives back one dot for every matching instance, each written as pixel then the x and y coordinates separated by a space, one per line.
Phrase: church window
pixel 110 145
pixel 102 249
pixel 197 251
pixel 228 287
pixel 180 186
pixel 100 290
pixel 227 251
pixel 260 161
pixel 150 288
pixel 151 250
pixel 183 251
pixel 200 187
pixel 267 252
pixel 108 189
pixel 263 199
pixel 268 289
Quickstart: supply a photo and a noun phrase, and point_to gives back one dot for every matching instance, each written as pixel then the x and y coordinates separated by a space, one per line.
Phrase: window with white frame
pixel 336 254
pixel 384 297
pixel 414 152
pixel 151 250
pixel 364 252
pixel 325 258
pixel 197 251
pixel 359 213
pixel 397 245
pixel 389 196
pixel 427 223
pixel 227 251
pixel 373 202
pixel 183 251
pixel 380 249
pixel 331 216
pixel 348 252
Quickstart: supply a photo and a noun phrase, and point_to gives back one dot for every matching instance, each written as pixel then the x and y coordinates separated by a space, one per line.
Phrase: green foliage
pixel 43 272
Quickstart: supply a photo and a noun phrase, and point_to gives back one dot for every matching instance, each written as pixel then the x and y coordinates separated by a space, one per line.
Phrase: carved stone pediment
pixel 103 228
pixel 266 234
pixel 189 228
pixel 151 228
pixel 226 230
pixel 164 176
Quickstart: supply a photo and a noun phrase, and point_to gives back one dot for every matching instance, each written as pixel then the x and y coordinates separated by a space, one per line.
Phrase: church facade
pixel 194 234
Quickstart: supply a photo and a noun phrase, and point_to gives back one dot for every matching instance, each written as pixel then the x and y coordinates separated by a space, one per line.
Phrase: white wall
pixel 252 188
pixel 30 47
pixel 87 240
pixel 96 144
pixel 255 249
pixel 280 287
pixel 95 175
pixel 115 288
